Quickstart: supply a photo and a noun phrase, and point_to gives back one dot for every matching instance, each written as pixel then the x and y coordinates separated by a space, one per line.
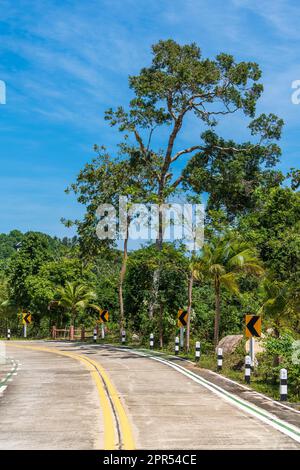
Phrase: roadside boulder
pixel 135 338
pixel 230 343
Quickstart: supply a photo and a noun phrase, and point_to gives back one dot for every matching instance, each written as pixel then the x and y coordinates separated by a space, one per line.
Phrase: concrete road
pixel 51 403
pixel 95 397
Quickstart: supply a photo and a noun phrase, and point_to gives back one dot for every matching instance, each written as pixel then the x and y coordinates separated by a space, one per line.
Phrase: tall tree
pixel 180 83
pixel 179 86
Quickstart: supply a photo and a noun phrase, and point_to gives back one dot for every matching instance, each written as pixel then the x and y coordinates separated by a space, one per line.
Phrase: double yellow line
pixel 108 398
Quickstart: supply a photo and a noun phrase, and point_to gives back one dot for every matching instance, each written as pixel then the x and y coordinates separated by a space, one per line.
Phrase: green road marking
pixel 9 374
pixel 244 404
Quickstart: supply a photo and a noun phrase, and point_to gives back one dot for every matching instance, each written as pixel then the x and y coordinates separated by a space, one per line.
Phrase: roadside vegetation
pixel 250 261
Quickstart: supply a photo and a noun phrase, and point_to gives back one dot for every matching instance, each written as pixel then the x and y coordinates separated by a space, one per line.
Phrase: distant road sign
pixel 182 317
pixel 104 315
pixel 253 326
pixel 26 318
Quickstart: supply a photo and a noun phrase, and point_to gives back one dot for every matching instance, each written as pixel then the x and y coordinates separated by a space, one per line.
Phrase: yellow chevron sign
pixel 104 315
pixel 26 318
pixel 253 326
pixel 182 317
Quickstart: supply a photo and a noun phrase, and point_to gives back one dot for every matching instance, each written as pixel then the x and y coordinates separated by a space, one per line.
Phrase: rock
pixel 230 343
pixel 258 346
pixel 135 338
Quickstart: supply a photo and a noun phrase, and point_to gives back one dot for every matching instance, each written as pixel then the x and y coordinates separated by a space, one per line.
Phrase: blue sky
pixel 65 62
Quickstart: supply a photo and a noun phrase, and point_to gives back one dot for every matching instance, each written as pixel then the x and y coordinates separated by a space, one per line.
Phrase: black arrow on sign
pixel 102 315
pixel 251 326
pixel 181 318
pixel 26 318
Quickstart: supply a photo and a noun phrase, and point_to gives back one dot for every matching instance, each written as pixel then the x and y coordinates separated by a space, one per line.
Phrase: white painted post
pixel 123 336
pixel 220 359
pixel 95 335
pixel 247 369
pixel 198 351
pixel 283 385
pixel 252 351
pixel 176 346
pixel 181 337
pixel 102 331
pixel 151 340
pixel 25 331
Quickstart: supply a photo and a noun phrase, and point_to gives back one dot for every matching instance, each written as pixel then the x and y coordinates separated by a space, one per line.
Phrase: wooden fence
pixel 71 333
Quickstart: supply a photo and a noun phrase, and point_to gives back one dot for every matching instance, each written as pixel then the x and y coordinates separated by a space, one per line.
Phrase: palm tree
pixel 74 296
pixel 281 303
pixel 222 259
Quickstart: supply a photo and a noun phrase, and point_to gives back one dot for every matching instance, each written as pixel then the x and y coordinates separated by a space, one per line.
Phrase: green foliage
pixel 274 228
pixel 8 243
pixel 172 290
pixel 282 348
pixel 36 249
pixel 231 173
pixel 74 297
pixel 223 260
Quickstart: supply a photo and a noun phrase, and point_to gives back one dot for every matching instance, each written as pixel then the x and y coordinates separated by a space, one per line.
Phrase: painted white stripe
pixel 251 390
pixel 249 408
pixel 293 432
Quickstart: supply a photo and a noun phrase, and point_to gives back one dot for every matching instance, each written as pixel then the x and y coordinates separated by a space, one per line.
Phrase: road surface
pixel 72 396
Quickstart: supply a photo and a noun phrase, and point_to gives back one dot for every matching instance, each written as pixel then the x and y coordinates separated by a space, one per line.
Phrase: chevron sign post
pixel 253 330
pixel 26 320
pixel 104 316
pixel 182 320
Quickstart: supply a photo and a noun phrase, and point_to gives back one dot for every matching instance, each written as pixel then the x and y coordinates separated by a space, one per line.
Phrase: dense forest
pixel 250 260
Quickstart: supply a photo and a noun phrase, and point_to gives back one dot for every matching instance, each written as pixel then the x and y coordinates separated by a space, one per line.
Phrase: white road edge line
pixel 247 407
pixel 248 389
pixel 241 385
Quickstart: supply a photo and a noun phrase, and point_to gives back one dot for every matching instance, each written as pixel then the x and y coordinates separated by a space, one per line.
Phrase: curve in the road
pixel 253 410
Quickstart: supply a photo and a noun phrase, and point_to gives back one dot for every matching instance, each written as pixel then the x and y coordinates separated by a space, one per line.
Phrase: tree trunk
pixel 73 311
pixel 156 275
pixel 276 358
pixel 154 293
pixel 159 243
pixel 189 309
pixel 217 311
pixel 161 332
pixel 121 282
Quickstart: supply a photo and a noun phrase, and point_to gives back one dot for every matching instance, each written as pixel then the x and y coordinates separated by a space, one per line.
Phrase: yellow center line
pixel 126 431
pixel 109 427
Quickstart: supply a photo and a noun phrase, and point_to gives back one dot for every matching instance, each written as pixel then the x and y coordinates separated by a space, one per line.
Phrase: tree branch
pixel 187 150
pixel 139 141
